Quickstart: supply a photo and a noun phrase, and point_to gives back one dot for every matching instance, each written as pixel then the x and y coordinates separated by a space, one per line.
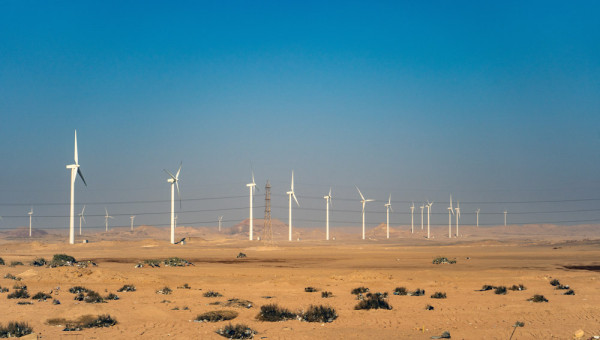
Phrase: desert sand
pixel 278 273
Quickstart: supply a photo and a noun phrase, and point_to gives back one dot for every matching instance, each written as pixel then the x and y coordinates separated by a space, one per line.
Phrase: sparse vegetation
pixel 516 325
pixel 185 286
pixel 19 294
pixel 93 297
pixel 501 290
pixel 215 316
pixel 326 294
pixel 443 260
pixel 486 288
pixel 211 293
pixel 41 296
pixel 373 301
pixel 154 263
pixel 417 292
pixel 78 289
pixel 555 282
pixel 112 296
pixel 176 262
pixel 518 287
pixel 11 277
pixel 3 290
pixel 127 288
pixel 165 291
pixel 565 287
pixel 15 263
pixel 238 331
pixel 359 290
pixel 39 262
pixel 569 292
pixel 319 314
pixel 274 313
pixel 235 302
pixel 2 262
pixel 537 298
pixel 19 285
pixel 310 289
pixel 438 295
pixel 241 256
pixel 24 303
pixel 400 291
pixel 84 321
pixel 15 330
pixel 429 307
pixel 60 260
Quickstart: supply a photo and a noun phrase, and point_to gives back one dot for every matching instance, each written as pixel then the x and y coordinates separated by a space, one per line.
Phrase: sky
pixel 497 104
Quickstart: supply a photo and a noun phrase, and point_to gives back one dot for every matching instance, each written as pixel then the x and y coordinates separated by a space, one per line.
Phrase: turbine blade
pixel 81 175
pixel 390 200
pixel 295 199
pixel 178 171
pixel 170 174
pixel 178 195
pixel 76 158
pixel 82 210
pixel 83 218
pixel 330 192
pixel 292 181
pixel 360 193
pixel 106 212
pixel 369 200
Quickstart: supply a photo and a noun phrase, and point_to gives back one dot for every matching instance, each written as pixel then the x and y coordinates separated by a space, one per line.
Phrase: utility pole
pixel 267 228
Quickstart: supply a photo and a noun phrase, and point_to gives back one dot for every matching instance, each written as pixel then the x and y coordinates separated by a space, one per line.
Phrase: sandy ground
pixel 283 271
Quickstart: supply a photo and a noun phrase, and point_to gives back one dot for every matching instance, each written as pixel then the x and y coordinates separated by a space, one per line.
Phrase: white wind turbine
pixel 457 216
pixel 412 218
pixel 74 172
pixel 106 218
pixel 327 202
pixel 388 206
pixel 132 217
pixel 174 180
pixel 291 194
pixel 220 220
pixel 477 212
pixel 450 213
pixel 429 204
pixel 505 212
pixel 30 213
pixel 252 187
pixel 422 207
pixel 364 202
pixel 81 218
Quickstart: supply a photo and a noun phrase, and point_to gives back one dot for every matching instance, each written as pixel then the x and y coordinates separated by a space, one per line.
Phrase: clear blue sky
pixel 489 102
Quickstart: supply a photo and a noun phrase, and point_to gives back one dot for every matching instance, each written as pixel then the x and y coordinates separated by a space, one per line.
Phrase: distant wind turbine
pixel 132 217
pixel 291 194
pixel 30 213
pixel 388 206
pixel 252 187
pixel 505 212
pixel 106 218
pixel 450 213
pixel 364 202
pixel 327 202
pixel 477 212
pixel 457 216
pixel 412 218
pixel 220 220
pixel 81 218
pixel 422 207
pixel 174 180
pixel 74 172
pixel 429 204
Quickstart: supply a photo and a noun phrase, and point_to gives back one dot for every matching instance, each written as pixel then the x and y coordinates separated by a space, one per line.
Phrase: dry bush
pixel 84 321
pixel 417 292
pixel 112 296
pixel 19 294
pixel 274 313
pixel 215 316
pixel 326 294
pixel 39 262
pixel 319 314
pixel 41 296
pixel 400 291
pixel 60 260
pixel 555 282
pixel 518 287
pixel 15 330
pixel 537 298
pixel 176 262
pixel 443 260
pixel 438 295
pixel 15 263
pixel 238 331
pixel 165 291
pixel 78 289
pixel 127 288
pixel 310 289
pixel 569 292
pixel 501 290
pixel 373 301
pixel 211 293
pixel 359 290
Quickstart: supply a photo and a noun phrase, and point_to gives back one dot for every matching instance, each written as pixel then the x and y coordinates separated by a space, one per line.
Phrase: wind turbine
pixel 106 219
pixel 429 204
pixel 81 218
pixel 477 212
pixel 220 220
pixel 291 194
pixel 174 180
pixel 132 217
pixel 388 205
pixel 450 213
pixel 176 216
pixel 252 187
pixel 412 218
pixel 74 172
pixel 505 212
pixel 327 202
pixel 457 216
pixel 30 213
pixel 422 207
pixel 364 202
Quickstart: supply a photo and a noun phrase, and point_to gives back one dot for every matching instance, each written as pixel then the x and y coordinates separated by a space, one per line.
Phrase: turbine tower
pixel 252 187
pixel 457 216
pixel 429 204
pixel 450 213
pixel 327 202
pixel 364 202
pixel 422 207
pixel 388 206
pixel 106 219
pixel 81 218
pixel 220 221
pixel 132 217
pixel 477 212
pixel 505 212
pixel 30 213
pixel 412 218
pixel 291 194
pixel 174 180
pixel 74 172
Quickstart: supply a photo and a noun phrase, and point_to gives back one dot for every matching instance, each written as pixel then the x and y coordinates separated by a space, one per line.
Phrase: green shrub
pixel 238 331
pixel 569 292
pixel 417 292
pixel 165 291
pixel 429 307
pixel 274 313
pixel 555 282
pixel 112 296
pixel 219 315
pixel 93 297
pixel 518 287
pixel 176 262
pixel 78 289
pixel 60 260
pixel 486 288
pixel 319 314
pixel 310 289
pixel 326 294
pixel 11 277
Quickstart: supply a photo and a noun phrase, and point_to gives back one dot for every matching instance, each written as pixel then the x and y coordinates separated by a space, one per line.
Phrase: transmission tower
pixel 267 228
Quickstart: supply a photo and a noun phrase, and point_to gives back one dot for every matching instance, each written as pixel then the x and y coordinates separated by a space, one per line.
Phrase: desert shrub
pixel 417 292
pixel 501 290
pixel 85 321
pixel 211 293
pixel 93 297
pixel 438 295
pixel 60 260
pixel 555 282
pixel 15 330
pixel 235 302
pixel 165 291
pixel 429 307
pixel 2 262
pixel 486 288
pixel 326 294
pixel 78 289
pixel 3 289
pixel 56 322
pixel 273 313
pixel 219 315
pixel 569 292
pixel 11 277
pixel 41 296
pixel 241 256
pixel 24 303
pixel 152 262
pixel 565 287
pixel 176 262
pixel 443 260
pixel 518 287
pixel 537 298
pixel 359 290
pixel 19 294
pixel 238 331
pixel 15 263
pixel 185 286
pixel 373 301
pixel 400 291
pixel 127 288
pixel 38 262
pixel 319 314
pixel 19 285
pixel 79 297
pixel 111 296
pixel 310 289
pixel 55 302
